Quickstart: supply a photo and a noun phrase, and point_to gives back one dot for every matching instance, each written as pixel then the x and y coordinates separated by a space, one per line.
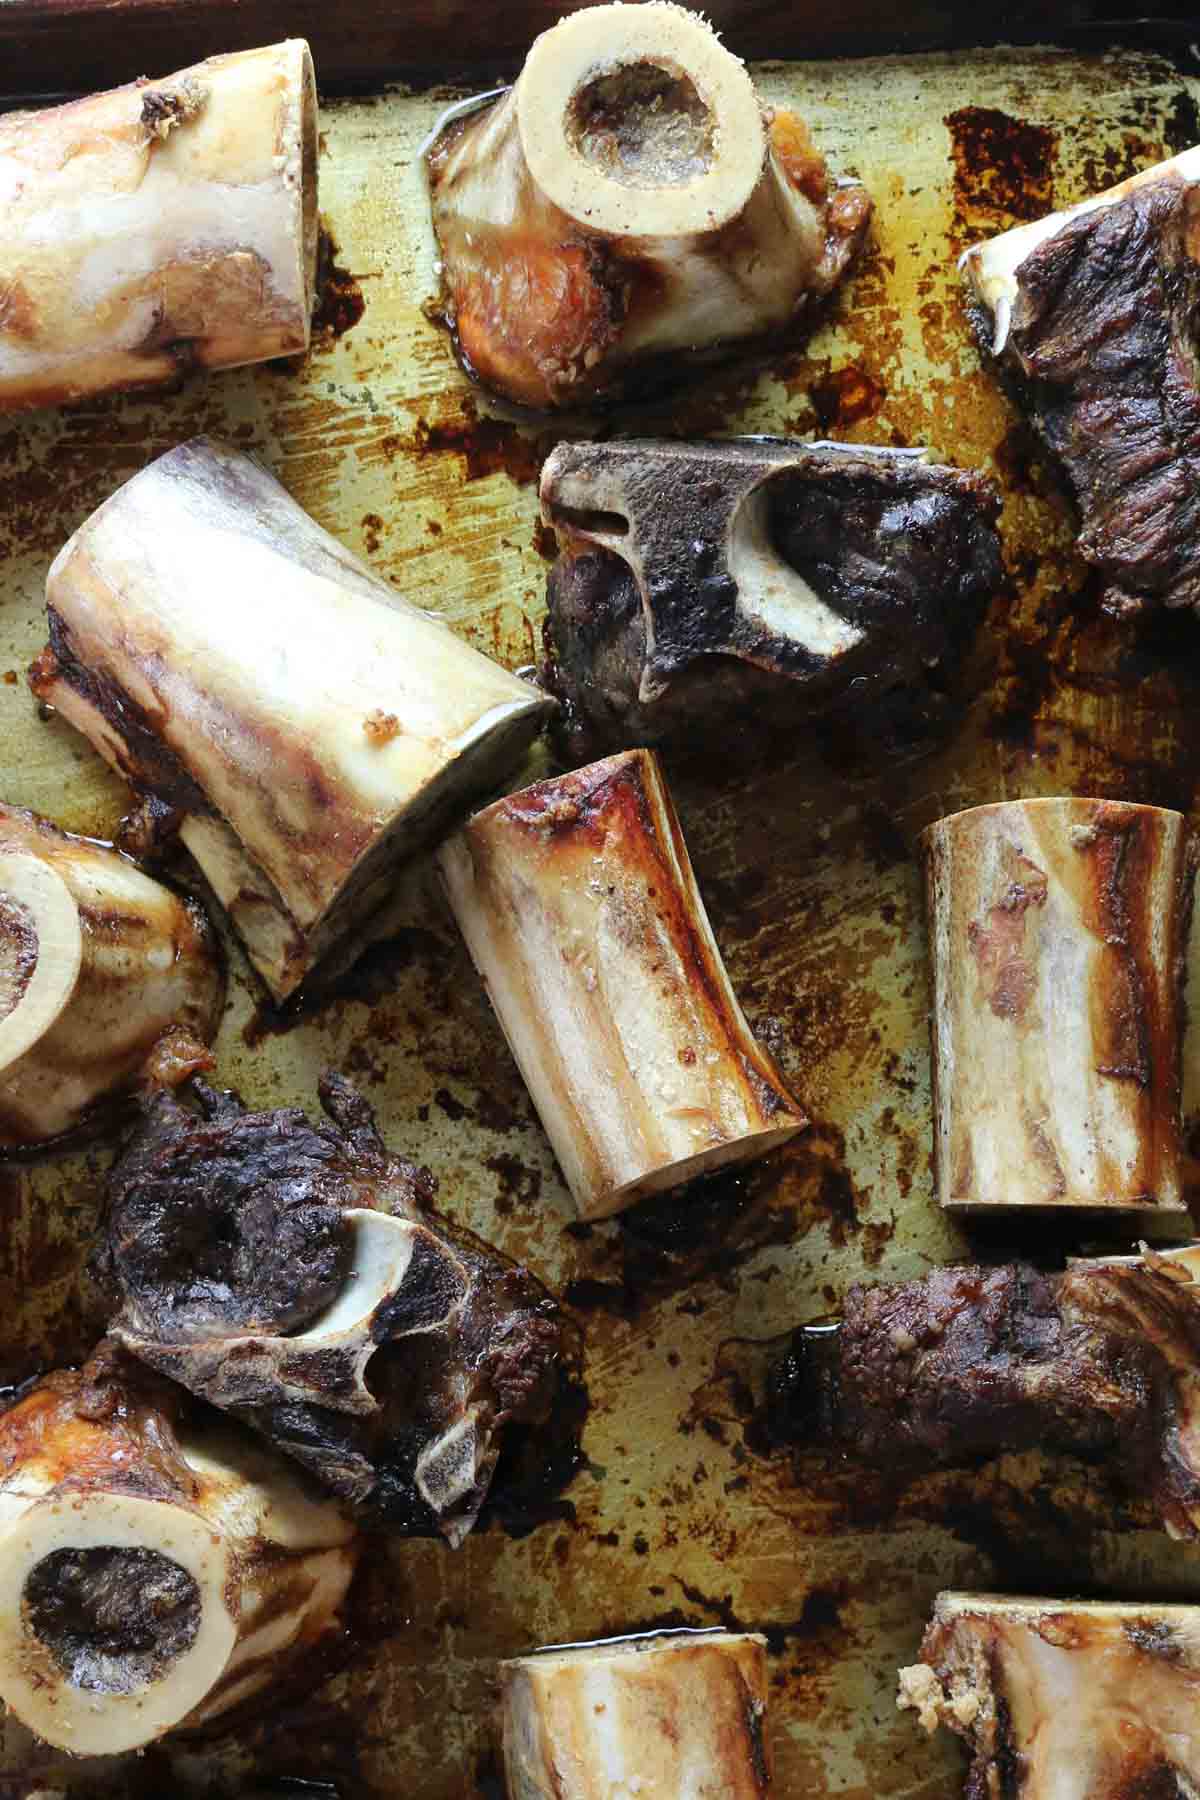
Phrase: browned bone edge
pixel 73 46
pixel 1058 931
pixel 666 1710
pixel 580 909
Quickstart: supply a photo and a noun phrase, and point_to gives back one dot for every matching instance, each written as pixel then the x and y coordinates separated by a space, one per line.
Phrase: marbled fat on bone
pixel 275 1269
pixel 759 584
pixel 104 976
pixel 1058 931
pixel 301 724
pixel 581 911
pixel 629 206
pixel 157 1566
pixel 162 226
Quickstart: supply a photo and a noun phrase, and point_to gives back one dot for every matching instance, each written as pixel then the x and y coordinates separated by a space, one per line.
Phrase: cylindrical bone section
pixel 99 968
pixel 1058 930
pixel 152 1571
pixel 629 199
pixel 308 724
pixel 162 226
pixel 579 906
pixel 672 1714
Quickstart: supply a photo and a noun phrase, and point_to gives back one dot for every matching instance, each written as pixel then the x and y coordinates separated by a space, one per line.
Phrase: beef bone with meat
pixel 299 723
pixel 1093 315
pixel 757 584
pixel 290 1275
pixel 627 208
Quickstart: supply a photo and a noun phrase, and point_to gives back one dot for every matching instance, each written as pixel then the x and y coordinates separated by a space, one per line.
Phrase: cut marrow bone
pixel 162 226
pixel 154 1570
pixel 1063 1699
pixel 99 965
pixel 580 909
pixel 301 723
pixel 1058 931
pixel 1091 314
pixel 628 202
pixel 754 583
pixel 289 1274
pixel 671 1714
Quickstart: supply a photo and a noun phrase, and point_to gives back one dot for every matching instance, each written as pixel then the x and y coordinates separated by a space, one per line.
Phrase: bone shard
pixel 628 206
pixel 749 584
pixel 1090 314
pixel 579 906
pixel 1063 1699
pixel 1099 1361
pixel 232 660
pixel 1058 930
pixel 290 1275
pixel 671 1713
pixel 102 970
pixel 157 1567
pixel 162 226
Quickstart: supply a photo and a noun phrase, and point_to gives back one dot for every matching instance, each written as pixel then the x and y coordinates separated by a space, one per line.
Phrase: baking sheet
pixel 813 891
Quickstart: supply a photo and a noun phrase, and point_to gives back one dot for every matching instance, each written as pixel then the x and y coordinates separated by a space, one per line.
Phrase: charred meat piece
pixel 299 723
pixel 157 1565
pixel 163 226
pixel 289 1274
pixel 758 583
pixel 1102 1362
pixel 673 1713
pixel 1064 1699
pixel 1058 932
pixel 106 977
pixel 581 912
pixel 628 208
pixel 1094 316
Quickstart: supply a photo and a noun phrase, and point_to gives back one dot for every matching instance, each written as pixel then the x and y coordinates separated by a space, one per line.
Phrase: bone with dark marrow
pixel 301 723
pixel 627 206
pixel 1100 1361
pixel 756 583
pixel 1063 1699
pixel 157 1566
pixel 1091 315
pixel 105 976
pixel 162 226
pixel 672 1713
pixel 1058 931
pixel 580 909
pixel 289 1274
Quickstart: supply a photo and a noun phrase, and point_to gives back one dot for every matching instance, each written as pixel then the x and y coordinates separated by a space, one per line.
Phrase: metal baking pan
pixel 807 867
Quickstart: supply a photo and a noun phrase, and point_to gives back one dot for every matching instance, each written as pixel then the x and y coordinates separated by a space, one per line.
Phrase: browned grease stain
pixel 340 300
pixel 486 445
pixel 846 396
pixel 1002 166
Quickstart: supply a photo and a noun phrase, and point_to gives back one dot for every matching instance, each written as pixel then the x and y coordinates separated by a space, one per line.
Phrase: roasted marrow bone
pixel 628 205
pixel 673 1713
pixel 756 582
pixel 1063 1698
pixel 156 1567
pixel 299 722
pixel 163 226
pixel 1058 930
pixel 1091 314
pixel 579 906
pixel 103 973
pixel 288 1274
pixel 1101 1361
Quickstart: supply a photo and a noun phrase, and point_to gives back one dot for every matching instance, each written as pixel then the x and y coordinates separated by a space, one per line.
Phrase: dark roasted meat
pixel 758 582
pixel 1094 316
pixel 1102 1361
pixel 291 1274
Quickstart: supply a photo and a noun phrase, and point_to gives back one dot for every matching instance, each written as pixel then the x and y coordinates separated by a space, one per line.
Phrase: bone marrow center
pixel 643 125
pixel 18 952
pixel 114 1620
